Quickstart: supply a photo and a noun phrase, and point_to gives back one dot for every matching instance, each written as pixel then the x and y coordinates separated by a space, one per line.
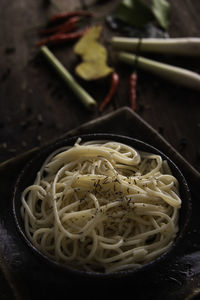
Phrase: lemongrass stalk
pixel 175 74
pixel 83 96
pixel 172 46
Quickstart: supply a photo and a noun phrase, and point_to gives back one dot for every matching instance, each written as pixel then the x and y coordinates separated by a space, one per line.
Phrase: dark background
pixel 35 105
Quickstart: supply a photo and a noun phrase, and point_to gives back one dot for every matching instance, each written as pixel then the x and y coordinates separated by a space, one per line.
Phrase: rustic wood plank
pixel 35 106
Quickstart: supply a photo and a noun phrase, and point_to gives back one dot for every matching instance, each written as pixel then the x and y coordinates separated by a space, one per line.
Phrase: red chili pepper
pixel 67 26
pixel 62 37
pixel 65 15
pixel 132 90
pixel 112 91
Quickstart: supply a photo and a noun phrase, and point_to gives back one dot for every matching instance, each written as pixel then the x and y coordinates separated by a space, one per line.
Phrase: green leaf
pixel 134 12
pixel 162 12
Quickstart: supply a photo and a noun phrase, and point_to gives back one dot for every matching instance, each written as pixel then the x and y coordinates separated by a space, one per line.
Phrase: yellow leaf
pixel 93 34
pixel 94 56
pixel 89 71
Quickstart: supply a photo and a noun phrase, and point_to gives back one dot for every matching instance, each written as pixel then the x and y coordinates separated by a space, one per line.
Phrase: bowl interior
pixel 28 174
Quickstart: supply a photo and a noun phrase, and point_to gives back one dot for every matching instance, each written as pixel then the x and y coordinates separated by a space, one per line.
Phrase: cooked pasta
pixel 102 206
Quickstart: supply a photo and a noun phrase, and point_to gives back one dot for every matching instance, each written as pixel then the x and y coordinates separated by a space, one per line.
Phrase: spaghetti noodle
pixel 102 206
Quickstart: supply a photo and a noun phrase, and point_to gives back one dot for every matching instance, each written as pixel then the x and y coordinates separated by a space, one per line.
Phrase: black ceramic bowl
pixel 28 175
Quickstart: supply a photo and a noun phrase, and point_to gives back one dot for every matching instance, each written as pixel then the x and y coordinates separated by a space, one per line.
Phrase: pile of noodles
pixel 102 206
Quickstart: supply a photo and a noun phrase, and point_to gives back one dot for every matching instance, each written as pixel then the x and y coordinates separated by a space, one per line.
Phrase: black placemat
pixel 22 276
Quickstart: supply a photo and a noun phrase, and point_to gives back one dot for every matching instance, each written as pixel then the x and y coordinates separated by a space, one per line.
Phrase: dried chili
pixel 112 91
pixel 67 26
pixel 62 37
pixel 133 90
pixel 65 15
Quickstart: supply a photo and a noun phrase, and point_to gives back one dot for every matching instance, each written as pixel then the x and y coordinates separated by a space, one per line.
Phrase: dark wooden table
pixel 35 105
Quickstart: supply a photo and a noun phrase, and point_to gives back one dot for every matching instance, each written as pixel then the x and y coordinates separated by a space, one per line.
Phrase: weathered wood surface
pixel 35 106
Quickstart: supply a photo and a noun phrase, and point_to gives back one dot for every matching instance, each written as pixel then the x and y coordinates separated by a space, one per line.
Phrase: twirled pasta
pixel 102 206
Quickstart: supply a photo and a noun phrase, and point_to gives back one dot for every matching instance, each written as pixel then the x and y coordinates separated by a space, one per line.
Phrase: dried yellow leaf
pixel 94 56
pixel 91 71
pixel 93 34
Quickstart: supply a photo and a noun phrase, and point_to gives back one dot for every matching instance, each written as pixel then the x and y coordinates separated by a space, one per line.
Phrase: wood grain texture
pixel 30 277
pixel 35 106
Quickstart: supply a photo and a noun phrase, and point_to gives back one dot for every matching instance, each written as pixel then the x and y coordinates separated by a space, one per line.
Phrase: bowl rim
pixel 48 149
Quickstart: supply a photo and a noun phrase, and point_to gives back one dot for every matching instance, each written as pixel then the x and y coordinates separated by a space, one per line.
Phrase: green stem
pixel 175 74
pixel 84 97
pixel 171 46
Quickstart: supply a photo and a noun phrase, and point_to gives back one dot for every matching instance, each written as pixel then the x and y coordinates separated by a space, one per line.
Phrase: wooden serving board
pixel 22 276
